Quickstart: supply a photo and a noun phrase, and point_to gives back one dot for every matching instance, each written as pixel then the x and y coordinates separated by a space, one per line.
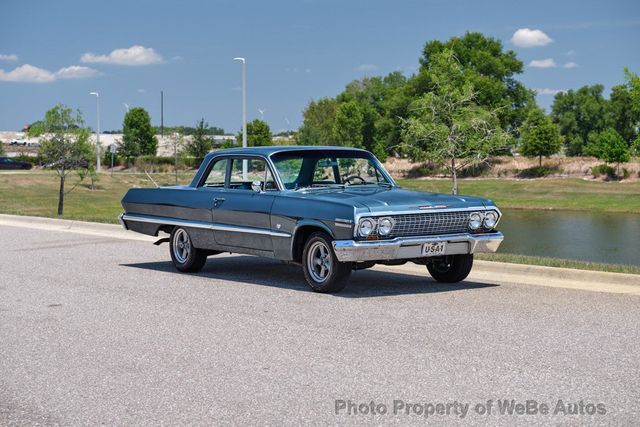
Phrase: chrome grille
pixel 425 224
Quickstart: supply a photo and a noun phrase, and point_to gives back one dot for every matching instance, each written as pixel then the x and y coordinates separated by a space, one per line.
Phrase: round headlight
pixel 475 221
pixel 490 219
pixel 366 227
pixel 385 226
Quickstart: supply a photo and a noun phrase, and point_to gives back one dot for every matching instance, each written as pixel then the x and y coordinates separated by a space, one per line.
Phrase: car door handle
pixel 217 201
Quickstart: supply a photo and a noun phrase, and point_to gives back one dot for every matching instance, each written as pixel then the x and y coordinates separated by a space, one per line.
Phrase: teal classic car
pixel 330 209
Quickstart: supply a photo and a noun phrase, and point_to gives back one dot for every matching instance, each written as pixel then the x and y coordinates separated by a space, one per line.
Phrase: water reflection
pixel 597 237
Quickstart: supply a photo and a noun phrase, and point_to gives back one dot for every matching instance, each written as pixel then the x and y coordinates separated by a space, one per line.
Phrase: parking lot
pixel 104 330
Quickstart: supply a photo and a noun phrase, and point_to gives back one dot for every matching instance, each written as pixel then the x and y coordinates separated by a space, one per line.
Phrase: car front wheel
pixel 322 270
pixel 184 255
pixel 450 268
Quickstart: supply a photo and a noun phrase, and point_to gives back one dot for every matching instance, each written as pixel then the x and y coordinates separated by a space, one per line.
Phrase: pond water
pixel 598 237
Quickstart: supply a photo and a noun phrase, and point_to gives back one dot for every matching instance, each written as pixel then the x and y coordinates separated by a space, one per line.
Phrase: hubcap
pixel 319 262
pixel 181 246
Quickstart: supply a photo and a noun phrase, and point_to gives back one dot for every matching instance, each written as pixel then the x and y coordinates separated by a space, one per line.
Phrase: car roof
pixel 271 149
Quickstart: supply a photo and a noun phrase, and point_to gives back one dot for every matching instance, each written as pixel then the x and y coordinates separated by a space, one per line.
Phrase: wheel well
pixel 302 234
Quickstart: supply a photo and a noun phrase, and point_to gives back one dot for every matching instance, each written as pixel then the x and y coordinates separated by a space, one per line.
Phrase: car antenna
pixel 154 183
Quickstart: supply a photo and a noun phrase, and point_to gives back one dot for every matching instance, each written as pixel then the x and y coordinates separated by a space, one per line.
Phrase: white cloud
pixel 30 74
pixel 547 91
pixel 27 73
pixel 367 67
pixel 76 72
pixel 8 57
pixel 141 90
pixel 543 63
pixel 525 37
pixel 135 55
pixel 571 53
pixel 570 65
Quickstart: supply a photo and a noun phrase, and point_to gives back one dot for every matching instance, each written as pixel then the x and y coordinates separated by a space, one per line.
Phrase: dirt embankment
pixel 515 167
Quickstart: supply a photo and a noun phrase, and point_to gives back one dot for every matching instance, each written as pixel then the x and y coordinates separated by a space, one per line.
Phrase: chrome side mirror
pixel 256 186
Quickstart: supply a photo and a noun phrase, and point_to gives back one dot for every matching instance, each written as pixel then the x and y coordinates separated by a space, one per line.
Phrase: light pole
pixel 97 129
pixel 244 113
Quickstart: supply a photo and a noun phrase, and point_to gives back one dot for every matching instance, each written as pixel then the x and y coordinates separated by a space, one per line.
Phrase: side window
pixel 217 174
pixel 245 171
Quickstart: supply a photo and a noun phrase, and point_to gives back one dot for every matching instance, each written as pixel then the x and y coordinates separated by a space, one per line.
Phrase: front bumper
pixel 411 247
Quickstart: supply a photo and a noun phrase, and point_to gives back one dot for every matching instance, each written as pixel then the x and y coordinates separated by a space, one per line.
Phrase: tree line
pixel 464 104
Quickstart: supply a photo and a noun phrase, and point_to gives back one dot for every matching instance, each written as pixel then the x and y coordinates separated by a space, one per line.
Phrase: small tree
pixel 2 152
pixel 258 134
pixel 540 136
pixel 200 143
pixel 138 136
pixel 613 149
pixel 63 144
pixel 447 125
pixel 177 143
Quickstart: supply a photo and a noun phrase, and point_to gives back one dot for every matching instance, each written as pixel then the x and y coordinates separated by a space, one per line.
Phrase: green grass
pixel 560 193
pixel 36 194
pixel 562 263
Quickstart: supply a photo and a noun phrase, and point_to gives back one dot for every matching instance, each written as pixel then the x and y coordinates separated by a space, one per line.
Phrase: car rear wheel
pixel 450 268
pixel 184 255
pixel 322 270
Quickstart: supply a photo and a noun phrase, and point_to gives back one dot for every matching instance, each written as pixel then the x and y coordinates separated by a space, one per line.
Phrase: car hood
pixel 382 199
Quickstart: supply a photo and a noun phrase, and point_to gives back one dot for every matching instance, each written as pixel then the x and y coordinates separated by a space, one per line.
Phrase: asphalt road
pixel 99 330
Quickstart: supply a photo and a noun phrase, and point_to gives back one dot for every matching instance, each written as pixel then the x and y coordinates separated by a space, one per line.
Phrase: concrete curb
pixel 483 271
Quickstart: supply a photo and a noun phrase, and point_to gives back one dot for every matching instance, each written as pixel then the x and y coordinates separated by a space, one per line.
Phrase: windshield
pixel 328 168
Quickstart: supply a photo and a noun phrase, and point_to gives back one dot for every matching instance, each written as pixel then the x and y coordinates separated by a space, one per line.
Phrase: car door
pixel 241 216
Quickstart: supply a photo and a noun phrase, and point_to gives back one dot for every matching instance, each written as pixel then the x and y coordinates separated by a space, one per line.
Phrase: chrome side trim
pixel 201 224
pixel 411 247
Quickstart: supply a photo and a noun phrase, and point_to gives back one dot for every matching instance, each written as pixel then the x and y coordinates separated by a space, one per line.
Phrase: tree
pixel 138 136
pixel 578 113
pixel 2 152
pixel 176 140
pixel 348 124
pixel 490 70
pixel 613 149
pixel 447 124
pixel 317 125
pixel 200 144
pixel 624 115
pixel 539 136
pixel 258 134
pixel 64 144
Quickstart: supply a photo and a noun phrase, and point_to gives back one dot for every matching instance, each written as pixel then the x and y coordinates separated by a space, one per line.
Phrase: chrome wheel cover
pixel 181 246
pixel 319 263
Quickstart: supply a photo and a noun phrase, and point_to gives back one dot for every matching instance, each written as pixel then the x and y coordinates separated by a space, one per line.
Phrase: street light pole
pixel 97 130
pixel 244 112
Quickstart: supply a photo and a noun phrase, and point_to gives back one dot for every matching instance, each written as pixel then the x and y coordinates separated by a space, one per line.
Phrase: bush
pixel 164 163
pixel 625 173
pixel 604 170
pixel 106 159
pixel 34 160
pixel 538 171
pixel 474 171
pixel 425 169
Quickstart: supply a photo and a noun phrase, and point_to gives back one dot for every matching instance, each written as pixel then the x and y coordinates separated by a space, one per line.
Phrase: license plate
pixel 434 249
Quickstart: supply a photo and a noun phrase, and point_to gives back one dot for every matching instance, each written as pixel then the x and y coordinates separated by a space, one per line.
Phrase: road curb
pixel 483 271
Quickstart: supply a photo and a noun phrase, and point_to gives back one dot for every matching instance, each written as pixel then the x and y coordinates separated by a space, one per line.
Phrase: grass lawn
pixel 560 193
pixel 556 262
pixel 36 194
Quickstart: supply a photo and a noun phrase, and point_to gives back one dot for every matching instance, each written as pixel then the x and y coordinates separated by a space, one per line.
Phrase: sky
pixel 58 51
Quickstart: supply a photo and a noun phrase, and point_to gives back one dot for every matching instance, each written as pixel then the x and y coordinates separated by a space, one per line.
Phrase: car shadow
pixel 267 272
